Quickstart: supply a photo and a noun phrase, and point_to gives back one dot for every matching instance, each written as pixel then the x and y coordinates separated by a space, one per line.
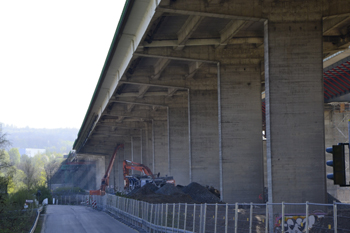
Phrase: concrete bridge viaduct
pixel 181 88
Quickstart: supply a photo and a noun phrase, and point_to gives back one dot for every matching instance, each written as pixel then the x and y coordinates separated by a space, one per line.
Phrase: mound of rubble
pixel 193 193
pixel 200 193
pixel 169 189
pixel 147 189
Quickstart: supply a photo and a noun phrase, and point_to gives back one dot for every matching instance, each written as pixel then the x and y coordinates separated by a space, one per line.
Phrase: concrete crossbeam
pixel 230 30
pixel 159 67
pixel 202 42
pixel 256 10
pixel 187 29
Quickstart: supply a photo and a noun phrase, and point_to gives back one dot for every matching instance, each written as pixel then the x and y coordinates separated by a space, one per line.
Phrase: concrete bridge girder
pixel 194 74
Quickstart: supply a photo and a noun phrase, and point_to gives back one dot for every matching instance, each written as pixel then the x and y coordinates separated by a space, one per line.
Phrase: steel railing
pixel 218 218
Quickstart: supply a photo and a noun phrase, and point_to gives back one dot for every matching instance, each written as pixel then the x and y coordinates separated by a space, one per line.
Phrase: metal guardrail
pixel 36 219
pixel 219 218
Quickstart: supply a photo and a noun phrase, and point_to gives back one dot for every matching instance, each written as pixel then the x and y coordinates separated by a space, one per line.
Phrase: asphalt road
pixel 80 219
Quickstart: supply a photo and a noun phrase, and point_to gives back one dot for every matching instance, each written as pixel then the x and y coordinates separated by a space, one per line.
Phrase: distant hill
pixel 55 140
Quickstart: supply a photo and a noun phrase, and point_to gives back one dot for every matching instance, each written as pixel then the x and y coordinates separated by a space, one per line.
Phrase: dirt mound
pixel 145 190
pixel 161 198
pixel 192 193
pixel 169 189
pixel 200 193
pixel 167 194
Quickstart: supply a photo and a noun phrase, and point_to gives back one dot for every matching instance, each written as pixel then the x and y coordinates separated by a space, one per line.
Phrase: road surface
pixel 80 219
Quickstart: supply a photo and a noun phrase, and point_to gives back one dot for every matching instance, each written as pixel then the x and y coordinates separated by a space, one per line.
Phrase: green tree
pixel 50 169
pixel 11 218
pixel 31 172
pixel 16 182
pixel 6 169
pixel 15 156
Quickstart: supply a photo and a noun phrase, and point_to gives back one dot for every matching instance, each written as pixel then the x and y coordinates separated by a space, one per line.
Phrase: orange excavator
pixel 136 181
pixel 105 179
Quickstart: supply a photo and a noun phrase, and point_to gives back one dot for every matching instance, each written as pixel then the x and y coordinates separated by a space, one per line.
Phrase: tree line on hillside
pixel 21 178
pixel 53 140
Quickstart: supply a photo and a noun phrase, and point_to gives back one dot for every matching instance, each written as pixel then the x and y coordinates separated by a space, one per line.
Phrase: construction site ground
pixel 192 193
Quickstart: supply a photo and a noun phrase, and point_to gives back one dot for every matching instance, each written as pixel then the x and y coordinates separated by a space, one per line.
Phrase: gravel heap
pixel 200 193
pixel 144 190
pixel 169 189
pixel 192 193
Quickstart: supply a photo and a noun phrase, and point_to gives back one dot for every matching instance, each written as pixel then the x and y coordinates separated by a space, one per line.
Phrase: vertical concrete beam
pixel 179 139
pixel 100 170
pixel 294 111
pixel 147 145
pixel 111 175
pixel 160 144
pixel 127 150
pixel 136 148
pixel 120 159
pixel 204 131
pixel 241 120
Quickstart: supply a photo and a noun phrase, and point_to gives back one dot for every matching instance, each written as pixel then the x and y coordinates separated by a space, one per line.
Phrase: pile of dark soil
pixel 169 189
pixel 144 190
pixel 161 198
pixel 200 193
pixel 193 193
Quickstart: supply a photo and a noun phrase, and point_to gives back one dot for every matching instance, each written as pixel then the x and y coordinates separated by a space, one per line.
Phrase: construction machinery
pixel 105 179
pixel 138 180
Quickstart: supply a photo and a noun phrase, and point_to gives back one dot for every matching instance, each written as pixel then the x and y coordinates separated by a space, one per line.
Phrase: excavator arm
pixel 105 179
pixel 130 165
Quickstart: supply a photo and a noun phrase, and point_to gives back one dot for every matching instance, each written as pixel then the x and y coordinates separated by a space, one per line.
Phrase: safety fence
pixel 219 218
pixel 38 210
pixel 72 200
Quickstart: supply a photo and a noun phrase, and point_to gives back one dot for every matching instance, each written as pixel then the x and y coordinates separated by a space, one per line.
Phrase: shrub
pixel 19 198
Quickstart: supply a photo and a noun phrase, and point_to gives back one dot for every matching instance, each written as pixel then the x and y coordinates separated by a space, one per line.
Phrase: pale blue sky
pixel 51 56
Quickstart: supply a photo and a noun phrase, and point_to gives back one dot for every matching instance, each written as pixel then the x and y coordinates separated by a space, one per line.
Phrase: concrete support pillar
pixel 179 139
pixel 127 150
pixel 204 131
pixel 100 170
pixel 119 163
pixel 111 175
pixel 160 145
pixel 136 149
pixel 294 109
pixel 147 145
pixel 241 124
